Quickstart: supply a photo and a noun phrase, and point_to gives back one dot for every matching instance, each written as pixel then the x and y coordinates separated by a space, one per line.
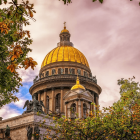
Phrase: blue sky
pixel 107 34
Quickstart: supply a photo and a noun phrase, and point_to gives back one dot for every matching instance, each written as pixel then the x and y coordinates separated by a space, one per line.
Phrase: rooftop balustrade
pixel 65 76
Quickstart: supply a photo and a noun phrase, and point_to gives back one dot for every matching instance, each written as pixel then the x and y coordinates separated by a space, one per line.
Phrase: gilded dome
pixel 64 30
pixel 65 53
pixel 77 85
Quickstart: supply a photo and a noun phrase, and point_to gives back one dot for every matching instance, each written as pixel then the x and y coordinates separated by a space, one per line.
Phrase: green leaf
pixel 94 0
pixel 0 2
pixel 1 19
pixel 101 1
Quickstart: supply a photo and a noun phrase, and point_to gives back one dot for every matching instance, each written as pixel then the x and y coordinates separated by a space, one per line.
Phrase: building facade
pixel 57 77
pixel 65 85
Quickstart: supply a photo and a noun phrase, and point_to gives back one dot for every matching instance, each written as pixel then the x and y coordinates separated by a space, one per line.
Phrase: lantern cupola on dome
pixel 64 30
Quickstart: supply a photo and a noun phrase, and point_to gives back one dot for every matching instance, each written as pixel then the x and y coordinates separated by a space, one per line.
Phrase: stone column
pixel 93 104
pixel 90 107
pixel 97 103
pixel 39 96
pixel 66 105
pixel 53 100
pixel 93 107
pixel 61 104
pixel 45 96
pixel 81 108
pixel 77 107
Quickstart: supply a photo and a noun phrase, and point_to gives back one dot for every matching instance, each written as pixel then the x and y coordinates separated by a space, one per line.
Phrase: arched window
pixel 57 102
pixel 53 71
pixel 79 71
pixel 84 110
pixel 47 73
pixel 73 110
pixel 47 104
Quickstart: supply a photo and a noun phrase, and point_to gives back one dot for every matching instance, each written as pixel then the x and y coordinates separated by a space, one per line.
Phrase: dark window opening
pixel 73 110
pixel 59 71
pixel 57 102
pixel 47 73
pixel 66 70
pixel 84 110
pixel 47 104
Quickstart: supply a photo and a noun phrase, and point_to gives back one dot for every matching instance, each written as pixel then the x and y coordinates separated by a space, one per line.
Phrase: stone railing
pixel 65 76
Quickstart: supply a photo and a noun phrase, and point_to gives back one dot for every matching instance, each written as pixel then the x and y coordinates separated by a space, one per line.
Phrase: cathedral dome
pixel 65 53
pixel 77 85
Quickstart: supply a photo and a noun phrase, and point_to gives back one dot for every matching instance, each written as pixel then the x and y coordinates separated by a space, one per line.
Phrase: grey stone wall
pixel 19 124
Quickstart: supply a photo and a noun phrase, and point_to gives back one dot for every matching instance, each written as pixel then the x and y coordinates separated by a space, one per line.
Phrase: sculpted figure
pixel 35 79
pixel 29 106
pixel 40 107
pixel 37 132
pixel 7 132
pixel 35 104
pixel 29 132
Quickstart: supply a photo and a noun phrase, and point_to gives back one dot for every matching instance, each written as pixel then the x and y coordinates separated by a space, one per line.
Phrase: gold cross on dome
pixel 64 24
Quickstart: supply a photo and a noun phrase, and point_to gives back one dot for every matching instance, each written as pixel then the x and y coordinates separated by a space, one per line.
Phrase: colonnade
pixel 62 104
pixel 53 99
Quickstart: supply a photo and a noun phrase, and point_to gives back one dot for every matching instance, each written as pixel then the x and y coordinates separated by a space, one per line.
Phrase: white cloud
pixel 7 112
pixel 20 103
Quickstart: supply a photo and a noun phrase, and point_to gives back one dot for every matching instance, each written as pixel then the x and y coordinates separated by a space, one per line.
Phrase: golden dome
pixel 64 30
pixel 65 53
pixel 77 85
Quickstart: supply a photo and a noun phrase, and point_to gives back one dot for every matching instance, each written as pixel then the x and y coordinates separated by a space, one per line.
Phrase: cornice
pixel 63 78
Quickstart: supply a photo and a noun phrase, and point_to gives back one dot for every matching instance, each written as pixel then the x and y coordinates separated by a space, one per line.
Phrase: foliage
pixel 14 43
pixel 118 122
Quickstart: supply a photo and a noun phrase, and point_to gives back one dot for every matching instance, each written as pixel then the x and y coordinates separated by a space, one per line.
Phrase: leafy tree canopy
pixel 14 42
pixel 121 121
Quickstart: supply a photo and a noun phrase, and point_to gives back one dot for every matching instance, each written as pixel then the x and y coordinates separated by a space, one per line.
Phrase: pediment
pixel 78 91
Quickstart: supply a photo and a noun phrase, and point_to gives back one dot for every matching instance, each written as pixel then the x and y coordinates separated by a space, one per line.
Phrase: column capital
pixel 66 102
pixel 61 88
pixel 45 90
pixel 39 92
pixel 53 88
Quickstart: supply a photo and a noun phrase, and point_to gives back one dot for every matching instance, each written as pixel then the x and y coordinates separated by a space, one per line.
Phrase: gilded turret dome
pixel 65 53
pixel 64 30
pixel 77 85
